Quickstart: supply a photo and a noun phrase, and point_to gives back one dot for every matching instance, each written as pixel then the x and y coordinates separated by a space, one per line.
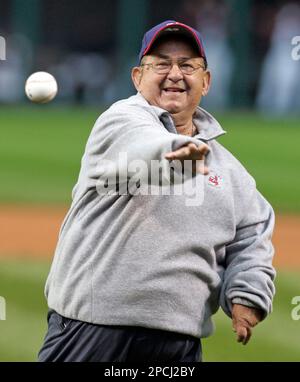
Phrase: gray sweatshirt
pixel 160 261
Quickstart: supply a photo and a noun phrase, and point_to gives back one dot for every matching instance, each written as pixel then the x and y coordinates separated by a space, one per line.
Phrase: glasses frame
pixel 171 64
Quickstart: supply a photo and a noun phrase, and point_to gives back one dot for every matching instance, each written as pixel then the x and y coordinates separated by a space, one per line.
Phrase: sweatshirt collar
pixel 208 127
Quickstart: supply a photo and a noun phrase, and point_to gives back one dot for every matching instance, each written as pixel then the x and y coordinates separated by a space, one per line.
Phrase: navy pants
pixel 69 340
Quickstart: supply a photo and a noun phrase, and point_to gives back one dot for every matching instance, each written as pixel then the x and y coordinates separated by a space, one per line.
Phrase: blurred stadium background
pixel 90 47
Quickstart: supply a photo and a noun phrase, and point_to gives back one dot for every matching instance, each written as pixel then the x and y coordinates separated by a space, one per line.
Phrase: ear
pixel 136 76
pixel 206 82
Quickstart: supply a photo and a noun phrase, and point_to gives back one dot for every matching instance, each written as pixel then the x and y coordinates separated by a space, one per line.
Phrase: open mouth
pixel 173 90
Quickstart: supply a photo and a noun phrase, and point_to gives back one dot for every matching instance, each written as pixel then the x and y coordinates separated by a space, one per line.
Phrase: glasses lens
pixel 187 68
pixel 162 67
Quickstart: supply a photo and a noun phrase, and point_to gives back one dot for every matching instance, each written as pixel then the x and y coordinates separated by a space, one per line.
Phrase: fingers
pixel 244 318
pixel 179 154
pixel 243 334
pixel 201 168
pixel 189 152
pixel 194 153
pixel 206 170
pixel 204 149
pixel 242 329
pixel 170 156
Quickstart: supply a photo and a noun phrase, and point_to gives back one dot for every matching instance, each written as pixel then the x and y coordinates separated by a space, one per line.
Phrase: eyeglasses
pixel 164 66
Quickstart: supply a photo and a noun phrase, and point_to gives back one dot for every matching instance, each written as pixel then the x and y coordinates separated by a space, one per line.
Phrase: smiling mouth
pixel 173 90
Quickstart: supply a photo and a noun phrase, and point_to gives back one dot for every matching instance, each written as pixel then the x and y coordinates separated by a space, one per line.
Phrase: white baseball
pixel 41 87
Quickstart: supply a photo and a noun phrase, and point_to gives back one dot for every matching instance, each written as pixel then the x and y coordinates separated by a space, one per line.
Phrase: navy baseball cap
pixel 170 27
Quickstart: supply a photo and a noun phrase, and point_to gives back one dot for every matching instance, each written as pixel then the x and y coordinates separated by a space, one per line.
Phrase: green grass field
pixel 41 148
pixel 22 284
pixel 40 152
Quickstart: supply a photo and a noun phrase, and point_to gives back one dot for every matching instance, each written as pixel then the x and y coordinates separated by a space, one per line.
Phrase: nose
pixel 175 73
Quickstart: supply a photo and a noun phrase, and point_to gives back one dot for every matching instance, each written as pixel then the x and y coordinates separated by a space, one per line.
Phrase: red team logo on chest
pixel 215 180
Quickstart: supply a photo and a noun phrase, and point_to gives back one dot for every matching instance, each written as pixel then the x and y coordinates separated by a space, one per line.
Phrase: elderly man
pixel 137 276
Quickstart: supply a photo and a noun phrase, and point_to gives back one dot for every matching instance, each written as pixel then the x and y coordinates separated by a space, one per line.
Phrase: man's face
pixel 174 91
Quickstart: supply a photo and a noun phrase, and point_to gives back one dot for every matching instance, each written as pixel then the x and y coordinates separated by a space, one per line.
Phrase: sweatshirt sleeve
pixel 249 274
pixel 126 141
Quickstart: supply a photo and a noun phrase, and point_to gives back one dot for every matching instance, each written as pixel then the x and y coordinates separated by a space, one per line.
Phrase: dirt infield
pixel 32 232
